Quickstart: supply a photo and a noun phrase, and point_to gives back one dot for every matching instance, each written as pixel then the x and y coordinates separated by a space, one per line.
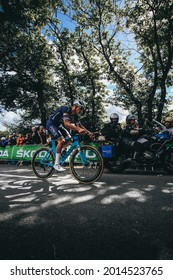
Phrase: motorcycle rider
pixel 131 137
pixel 113 129
pixel 168 122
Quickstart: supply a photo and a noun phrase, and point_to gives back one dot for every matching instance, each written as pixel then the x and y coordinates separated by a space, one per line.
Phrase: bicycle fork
pixel 45 159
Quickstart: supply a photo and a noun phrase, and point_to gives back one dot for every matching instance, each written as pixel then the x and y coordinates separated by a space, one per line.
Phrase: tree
pixel 137 85
pixel 152 23
pixel 26 58
pixel 89 79
pixel 78 71
pixel 102 20
pixel 42 61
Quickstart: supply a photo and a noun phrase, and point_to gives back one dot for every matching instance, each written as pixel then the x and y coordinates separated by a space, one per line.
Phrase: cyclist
pixel 60 123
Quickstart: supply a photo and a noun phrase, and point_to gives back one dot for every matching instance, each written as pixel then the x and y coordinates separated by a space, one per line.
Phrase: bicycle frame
pixel 75 145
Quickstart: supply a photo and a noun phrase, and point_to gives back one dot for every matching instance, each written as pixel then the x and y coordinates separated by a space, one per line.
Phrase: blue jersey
pixel 61 114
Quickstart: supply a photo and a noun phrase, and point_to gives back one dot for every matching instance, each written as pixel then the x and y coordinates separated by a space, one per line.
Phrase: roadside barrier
pixel 18 153
pixel 14 154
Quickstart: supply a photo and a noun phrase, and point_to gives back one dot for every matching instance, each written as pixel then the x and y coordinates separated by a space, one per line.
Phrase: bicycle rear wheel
pixel 92 169
pixel 42 162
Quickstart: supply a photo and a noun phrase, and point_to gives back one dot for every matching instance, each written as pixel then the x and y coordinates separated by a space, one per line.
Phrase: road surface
pixel 122 216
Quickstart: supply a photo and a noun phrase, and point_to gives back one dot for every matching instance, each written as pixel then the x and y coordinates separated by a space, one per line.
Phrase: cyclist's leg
pixel 52 129
pixel 63 143
pixel 56 134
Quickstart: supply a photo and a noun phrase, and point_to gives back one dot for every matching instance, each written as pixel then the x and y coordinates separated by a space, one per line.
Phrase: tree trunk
pixel 162 101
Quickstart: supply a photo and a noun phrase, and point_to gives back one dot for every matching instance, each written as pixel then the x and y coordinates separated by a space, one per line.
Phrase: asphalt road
pixel 123 217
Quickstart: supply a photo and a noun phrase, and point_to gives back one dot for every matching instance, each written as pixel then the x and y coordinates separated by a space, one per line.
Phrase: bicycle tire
pixel 43 170
pixel 92 170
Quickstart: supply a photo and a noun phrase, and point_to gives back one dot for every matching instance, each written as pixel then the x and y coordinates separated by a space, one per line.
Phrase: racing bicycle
pixel 85 161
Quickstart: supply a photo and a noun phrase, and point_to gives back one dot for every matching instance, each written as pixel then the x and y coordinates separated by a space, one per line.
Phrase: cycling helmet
pixel 114 117
pixel 129 118
pixel 79 103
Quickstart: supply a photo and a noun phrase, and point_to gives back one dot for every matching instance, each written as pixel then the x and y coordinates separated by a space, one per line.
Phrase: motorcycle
pixel 111 153
pixel 157 154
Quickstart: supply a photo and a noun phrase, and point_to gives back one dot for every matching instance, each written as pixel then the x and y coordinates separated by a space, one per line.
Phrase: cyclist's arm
pixel 70 125
pixel 86 131
pixel 78 124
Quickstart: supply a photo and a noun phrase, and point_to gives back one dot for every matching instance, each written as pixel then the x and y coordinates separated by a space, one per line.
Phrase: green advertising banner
pixel 25 153
pixel 18 152
pixel 5 153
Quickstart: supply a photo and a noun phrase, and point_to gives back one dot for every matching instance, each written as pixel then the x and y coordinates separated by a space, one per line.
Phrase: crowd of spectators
pixel 35 137
pixel 38 135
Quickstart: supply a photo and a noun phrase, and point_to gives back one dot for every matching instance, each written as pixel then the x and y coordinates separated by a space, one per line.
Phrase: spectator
pixel 12 139
pixel 3 142
pixel 28 139
pixel 20 140
pixel 42 134
pixel 48 139
pixel 35 136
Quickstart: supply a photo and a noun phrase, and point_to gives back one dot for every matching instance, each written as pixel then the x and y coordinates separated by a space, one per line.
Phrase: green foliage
pixel 42 61
pixel 152 23
pixel 26 81
pixel 78 70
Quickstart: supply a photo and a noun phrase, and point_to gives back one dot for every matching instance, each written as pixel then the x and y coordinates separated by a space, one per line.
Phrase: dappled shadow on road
pixel 59 218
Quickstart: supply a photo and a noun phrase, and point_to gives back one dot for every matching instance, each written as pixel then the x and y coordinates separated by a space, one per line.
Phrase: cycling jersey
pixel 55 123
pixel 60 114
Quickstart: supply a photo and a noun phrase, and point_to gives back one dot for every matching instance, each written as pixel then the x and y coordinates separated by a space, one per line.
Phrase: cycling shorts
pixel 57 131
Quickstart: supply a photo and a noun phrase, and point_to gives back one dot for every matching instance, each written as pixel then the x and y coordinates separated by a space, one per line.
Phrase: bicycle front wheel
pixel 42 162
pixel 86 165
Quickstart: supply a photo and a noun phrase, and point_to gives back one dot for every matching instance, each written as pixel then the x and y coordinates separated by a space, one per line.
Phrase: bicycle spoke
pixel 42 163
pixel 86 166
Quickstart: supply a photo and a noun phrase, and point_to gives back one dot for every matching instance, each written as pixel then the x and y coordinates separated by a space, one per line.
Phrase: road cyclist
pixel 85 161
